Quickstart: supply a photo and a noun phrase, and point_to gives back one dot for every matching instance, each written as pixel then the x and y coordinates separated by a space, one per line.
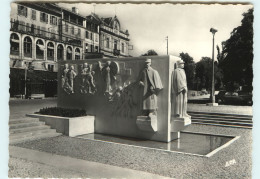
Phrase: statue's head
pixel 85 65
pixel 66 66
pixel 72 67
pixel 180 64
pixel 148 63
pixel 108 63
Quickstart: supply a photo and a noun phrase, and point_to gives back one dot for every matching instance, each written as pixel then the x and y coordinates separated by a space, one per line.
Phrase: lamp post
pixel 213 31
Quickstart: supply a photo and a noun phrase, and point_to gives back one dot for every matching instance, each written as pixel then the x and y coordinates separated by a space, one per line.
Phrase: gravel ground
pixel 158 162
pixel 229 109
pixel 37 170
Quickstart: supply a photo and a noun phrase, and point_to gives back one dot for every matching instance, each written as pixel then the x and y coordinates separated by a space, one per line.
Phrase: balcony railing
pixel 34 31
pixel 116 52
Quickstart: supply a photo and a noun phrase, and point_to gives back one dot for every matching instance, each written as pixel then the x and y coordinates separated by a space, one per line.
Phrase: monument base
pixel 175 135
pixel 147 123
pixel 212 104
pixel 180 123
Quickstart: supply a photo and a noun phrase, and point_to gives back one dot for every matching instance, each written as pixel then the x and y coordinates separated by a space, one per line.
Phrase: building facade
pixel 42 34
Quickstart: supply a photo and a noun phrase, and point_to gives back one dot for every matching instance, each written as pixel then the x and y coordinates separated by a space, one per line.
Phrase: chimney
pixel 75 10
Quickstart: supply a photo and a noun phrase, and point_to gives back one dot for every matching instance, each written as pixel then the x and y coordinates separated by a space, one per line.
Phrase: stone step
pixel 221 115
pixel 28 129
pixel 223 122
pixel 23 120
pixel 220 119
pixel 222 125
pixel 35 137
pixel 31 133
pixel 23 125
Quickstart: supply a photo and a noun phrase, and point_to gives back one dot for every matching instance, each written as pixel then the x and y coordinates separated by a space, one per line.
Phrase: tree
pixel 204 73
pixel 237 54
pixel 150 53
pixel 189 68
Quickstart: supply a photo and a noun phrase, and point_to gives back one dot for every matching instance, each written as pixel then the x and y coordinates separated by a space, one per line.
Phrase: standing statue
pixel 71 75
pixel 98 77
pixel 151 84
pixel 87 82
pixel 179 91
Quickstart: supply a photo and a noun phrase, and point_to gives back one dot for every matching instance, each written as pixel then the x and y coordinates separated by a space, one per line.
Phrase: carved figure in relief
pixel 64 78
pixel 98 77
pixel 87 80
pixel 70 76
pixel 151 84
pixel 109 72
pixel 179 91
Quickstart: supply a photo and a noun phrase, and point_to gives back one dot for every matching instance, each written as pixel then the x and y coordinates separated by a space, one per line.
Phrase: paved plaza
pixel 64 156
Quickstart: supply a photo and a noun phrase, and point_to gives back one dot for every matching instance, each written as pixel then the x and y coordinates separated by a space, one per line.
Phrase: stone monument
pixel 128 97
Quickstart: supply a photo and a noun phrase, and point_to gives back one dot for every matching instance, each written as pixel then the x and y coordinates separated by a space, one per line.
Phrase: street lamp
pixel 213 31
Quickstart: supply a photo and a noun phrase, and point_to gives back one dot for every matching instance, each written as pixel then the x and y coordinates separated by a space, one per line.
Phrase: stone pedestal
pixel 180 123
pixel 147 123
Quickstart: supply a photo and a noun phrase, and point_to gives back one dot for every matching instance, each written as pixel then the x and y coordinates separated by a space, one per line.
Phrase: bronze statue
pixel 151 84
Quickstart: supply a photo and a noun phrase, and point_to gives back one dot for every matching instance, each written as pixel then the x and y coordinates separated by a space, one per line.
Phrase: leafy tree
pixel 189 68
pixel 236 58
pixel 150 53
pixel 204 74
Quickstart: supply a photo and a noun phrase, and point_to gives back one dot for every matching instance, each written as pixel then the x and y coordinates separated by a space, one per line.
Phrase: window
pixel 77 54
pixel 87 36
pixel 27 47
pixel 21 26
pixel 96 48
pixel 44 17
pixel 33 14
pixel 22 11
pixel 14 44
pixel 27 27
pixel 123 48
pixel 53 20
pixel 86 48
pixel 72 30
pixel 50 67
pixel 43 31
pixel 50 51
pixel 69 53
pixel 96 38
pixel 79 31
pixel 107 42
pixel 91 36
pixel 38 30
pixel 115 44
pixel 32 28
pixel 40 49
pixel 92 48
pixel 60 52
pixel 66 28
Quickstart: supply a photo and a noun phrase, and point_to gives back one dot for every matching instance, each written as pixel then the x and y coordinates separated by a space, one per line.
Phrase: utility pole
pixel 167 44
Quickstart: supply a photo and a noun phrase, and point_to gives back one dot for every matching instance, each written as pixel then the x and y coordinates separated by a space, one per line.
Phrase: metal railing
pixel 36 32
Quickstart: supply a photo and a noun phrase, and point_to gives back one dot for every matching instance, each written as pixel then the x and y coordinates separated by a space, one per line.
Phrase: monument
pixel 131 97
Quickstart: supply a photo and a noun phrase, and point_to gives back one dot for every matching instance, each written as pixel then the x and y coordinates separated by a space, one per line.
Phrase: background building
pixel 41 34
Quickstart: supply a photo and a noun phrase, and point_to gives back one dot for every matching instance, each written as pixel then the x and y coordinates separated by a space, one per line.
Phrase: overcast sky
pixel 187 26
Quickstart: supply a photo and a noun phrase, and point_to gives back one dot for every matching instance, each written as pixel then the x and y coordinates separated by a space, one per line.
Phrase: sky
pixel 187 26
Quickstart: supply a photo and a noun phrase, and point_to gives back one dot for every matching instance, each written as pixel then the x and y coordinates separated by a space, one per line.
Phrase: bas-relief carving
pixel 68 76
pixel 87 85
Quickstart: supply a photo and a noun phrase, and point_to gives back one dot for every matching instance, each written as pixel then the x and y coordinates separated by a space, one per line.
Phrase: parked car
pixel 240 97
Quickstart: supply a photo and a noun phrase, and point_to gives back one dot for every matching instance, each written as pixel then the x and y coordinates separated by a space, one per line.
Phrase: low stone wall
pixel 68 126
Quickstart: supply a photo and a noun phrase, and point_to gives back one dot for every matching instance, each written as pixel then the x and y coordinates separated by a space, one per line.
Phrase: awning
pixel 50 47
pixel 69 51
pixel 77 53
pixel 41 46
pixel 15 40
